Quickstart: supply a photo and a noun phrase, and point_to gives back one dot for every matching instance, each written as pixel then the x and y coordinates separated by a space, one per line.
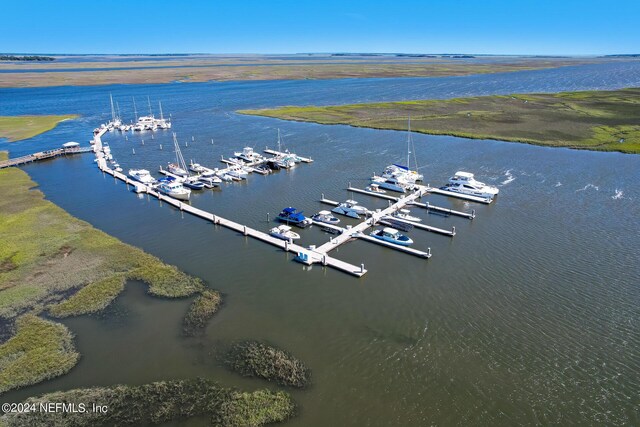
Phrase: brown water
pixel 528 316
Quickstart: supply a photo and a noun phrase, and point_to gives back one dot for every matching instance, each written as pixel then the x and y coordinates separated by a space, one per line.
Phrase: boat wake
pixel 509 177
pixel 588 186
pixel 618 195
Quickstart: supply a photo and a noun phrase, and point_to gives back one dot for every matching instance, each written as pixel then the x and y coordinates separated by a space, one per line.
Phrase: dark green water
pixel 528 316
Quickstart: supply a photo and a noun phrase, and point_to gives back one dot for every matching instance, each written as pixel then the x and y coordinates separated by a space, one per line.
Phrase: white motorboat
pixel 226 177
pixel 175 189
pixel 210 181
pixel 237 172
pixel 351 209
pixel 196 167
pixel 375 188
pixel 464 183
pixel 176 170
pixel 118 169
pixel 397 183
pixel 248 155
pixel 405 214
pixel 284 232
pixel 392 235
pixel 325 217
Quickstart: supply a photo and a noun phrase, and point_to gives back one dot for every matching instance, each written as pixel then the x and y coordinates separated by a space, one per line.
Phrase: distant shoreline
pixel 152 70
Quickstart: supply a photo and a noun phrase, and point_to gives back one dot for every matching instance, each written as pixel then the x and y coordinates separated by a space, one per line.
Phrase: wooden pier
pixel 43 155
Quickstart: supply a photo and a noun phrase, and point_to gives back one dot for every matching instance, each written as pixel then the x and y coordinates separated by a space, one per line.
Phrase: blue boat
pixel 292 216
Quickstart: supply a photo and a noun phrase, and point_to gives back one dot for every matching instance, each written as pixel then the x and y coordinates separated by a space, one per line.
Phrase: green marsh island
pixel 17 128
pixel 590 120
pixel 52 266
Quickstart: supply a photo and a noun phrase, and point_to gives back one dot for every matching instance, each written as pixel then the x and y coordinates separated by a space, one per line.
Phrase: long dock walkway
pixel 43 155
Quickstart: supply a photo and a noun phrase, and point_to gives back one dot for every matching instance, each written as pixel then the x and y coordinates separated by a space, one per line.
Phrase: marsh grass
pixel 161 402
pixel 16 128
pixel 52 262
pixel 39 350
pixel 592 120
pixel 200 311
pixel 258 359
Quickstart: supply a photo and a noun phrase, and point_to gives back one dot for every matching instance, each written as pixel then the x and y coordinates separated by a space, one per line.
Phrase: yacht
pixel 397 184
pixel 292 216
pixel 142 175
pixel 176 170
pixel 464 183
pixel 237 172
pixel 405 215
pixel 325 217
pixel 284 232
pixel 196 167
pixel 351 209
pixel 392 235
pixel 173 188
pixel 248 155
pixel 285 161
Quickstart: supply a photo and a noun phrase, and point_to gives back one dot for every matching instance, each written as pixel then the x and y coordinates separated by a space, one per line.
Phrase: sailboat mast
pixel 149 102
pixel 113 112
pixel 278 139
pixel 161 115
pixel 409 141
pixel 135 112
pixel 118 110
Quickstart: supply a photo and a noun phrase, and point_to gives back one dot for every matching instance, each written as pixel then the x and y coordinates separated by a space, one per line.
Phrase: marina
pixel 282 236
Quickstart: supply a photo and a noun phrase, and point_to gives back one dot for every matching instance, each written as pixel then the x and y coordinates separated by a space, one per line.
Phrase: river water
pixel 529 315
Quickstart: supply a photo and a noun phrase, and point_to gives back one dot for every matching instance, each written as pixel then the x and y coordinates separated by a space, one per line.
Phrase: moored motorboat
pixel 176 170
pixel 292 216
pixel 405 215
pixel 375 188
pixel 325 217
pixel 194 185
pixel 465 183
pixel 142 175
pixel 351 209
pixel 392 235
pixel 196 167
pixel 284 232
pixel 173 188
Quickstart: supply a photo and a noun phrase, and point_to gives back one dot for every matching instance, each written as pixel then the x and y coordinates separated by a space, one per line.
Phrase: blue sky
pixel 429 26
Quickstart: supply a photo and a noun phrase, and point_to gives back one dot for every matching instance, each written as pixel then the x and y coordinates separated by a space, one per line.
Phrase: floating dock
pixel 421 226
pixel 429 207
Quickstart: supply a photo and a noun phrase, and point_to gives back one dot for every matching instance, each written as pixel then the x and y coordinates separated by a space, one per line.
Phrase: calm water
pixel 528 316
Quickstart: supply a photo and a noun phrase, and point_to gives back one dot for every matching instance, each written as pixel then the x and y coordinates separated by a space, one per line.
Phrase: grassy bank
pixel 158 403
pixel 40 349
pixel 16 128
pixel 53 263
pixel 189 70
pixel 592 120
